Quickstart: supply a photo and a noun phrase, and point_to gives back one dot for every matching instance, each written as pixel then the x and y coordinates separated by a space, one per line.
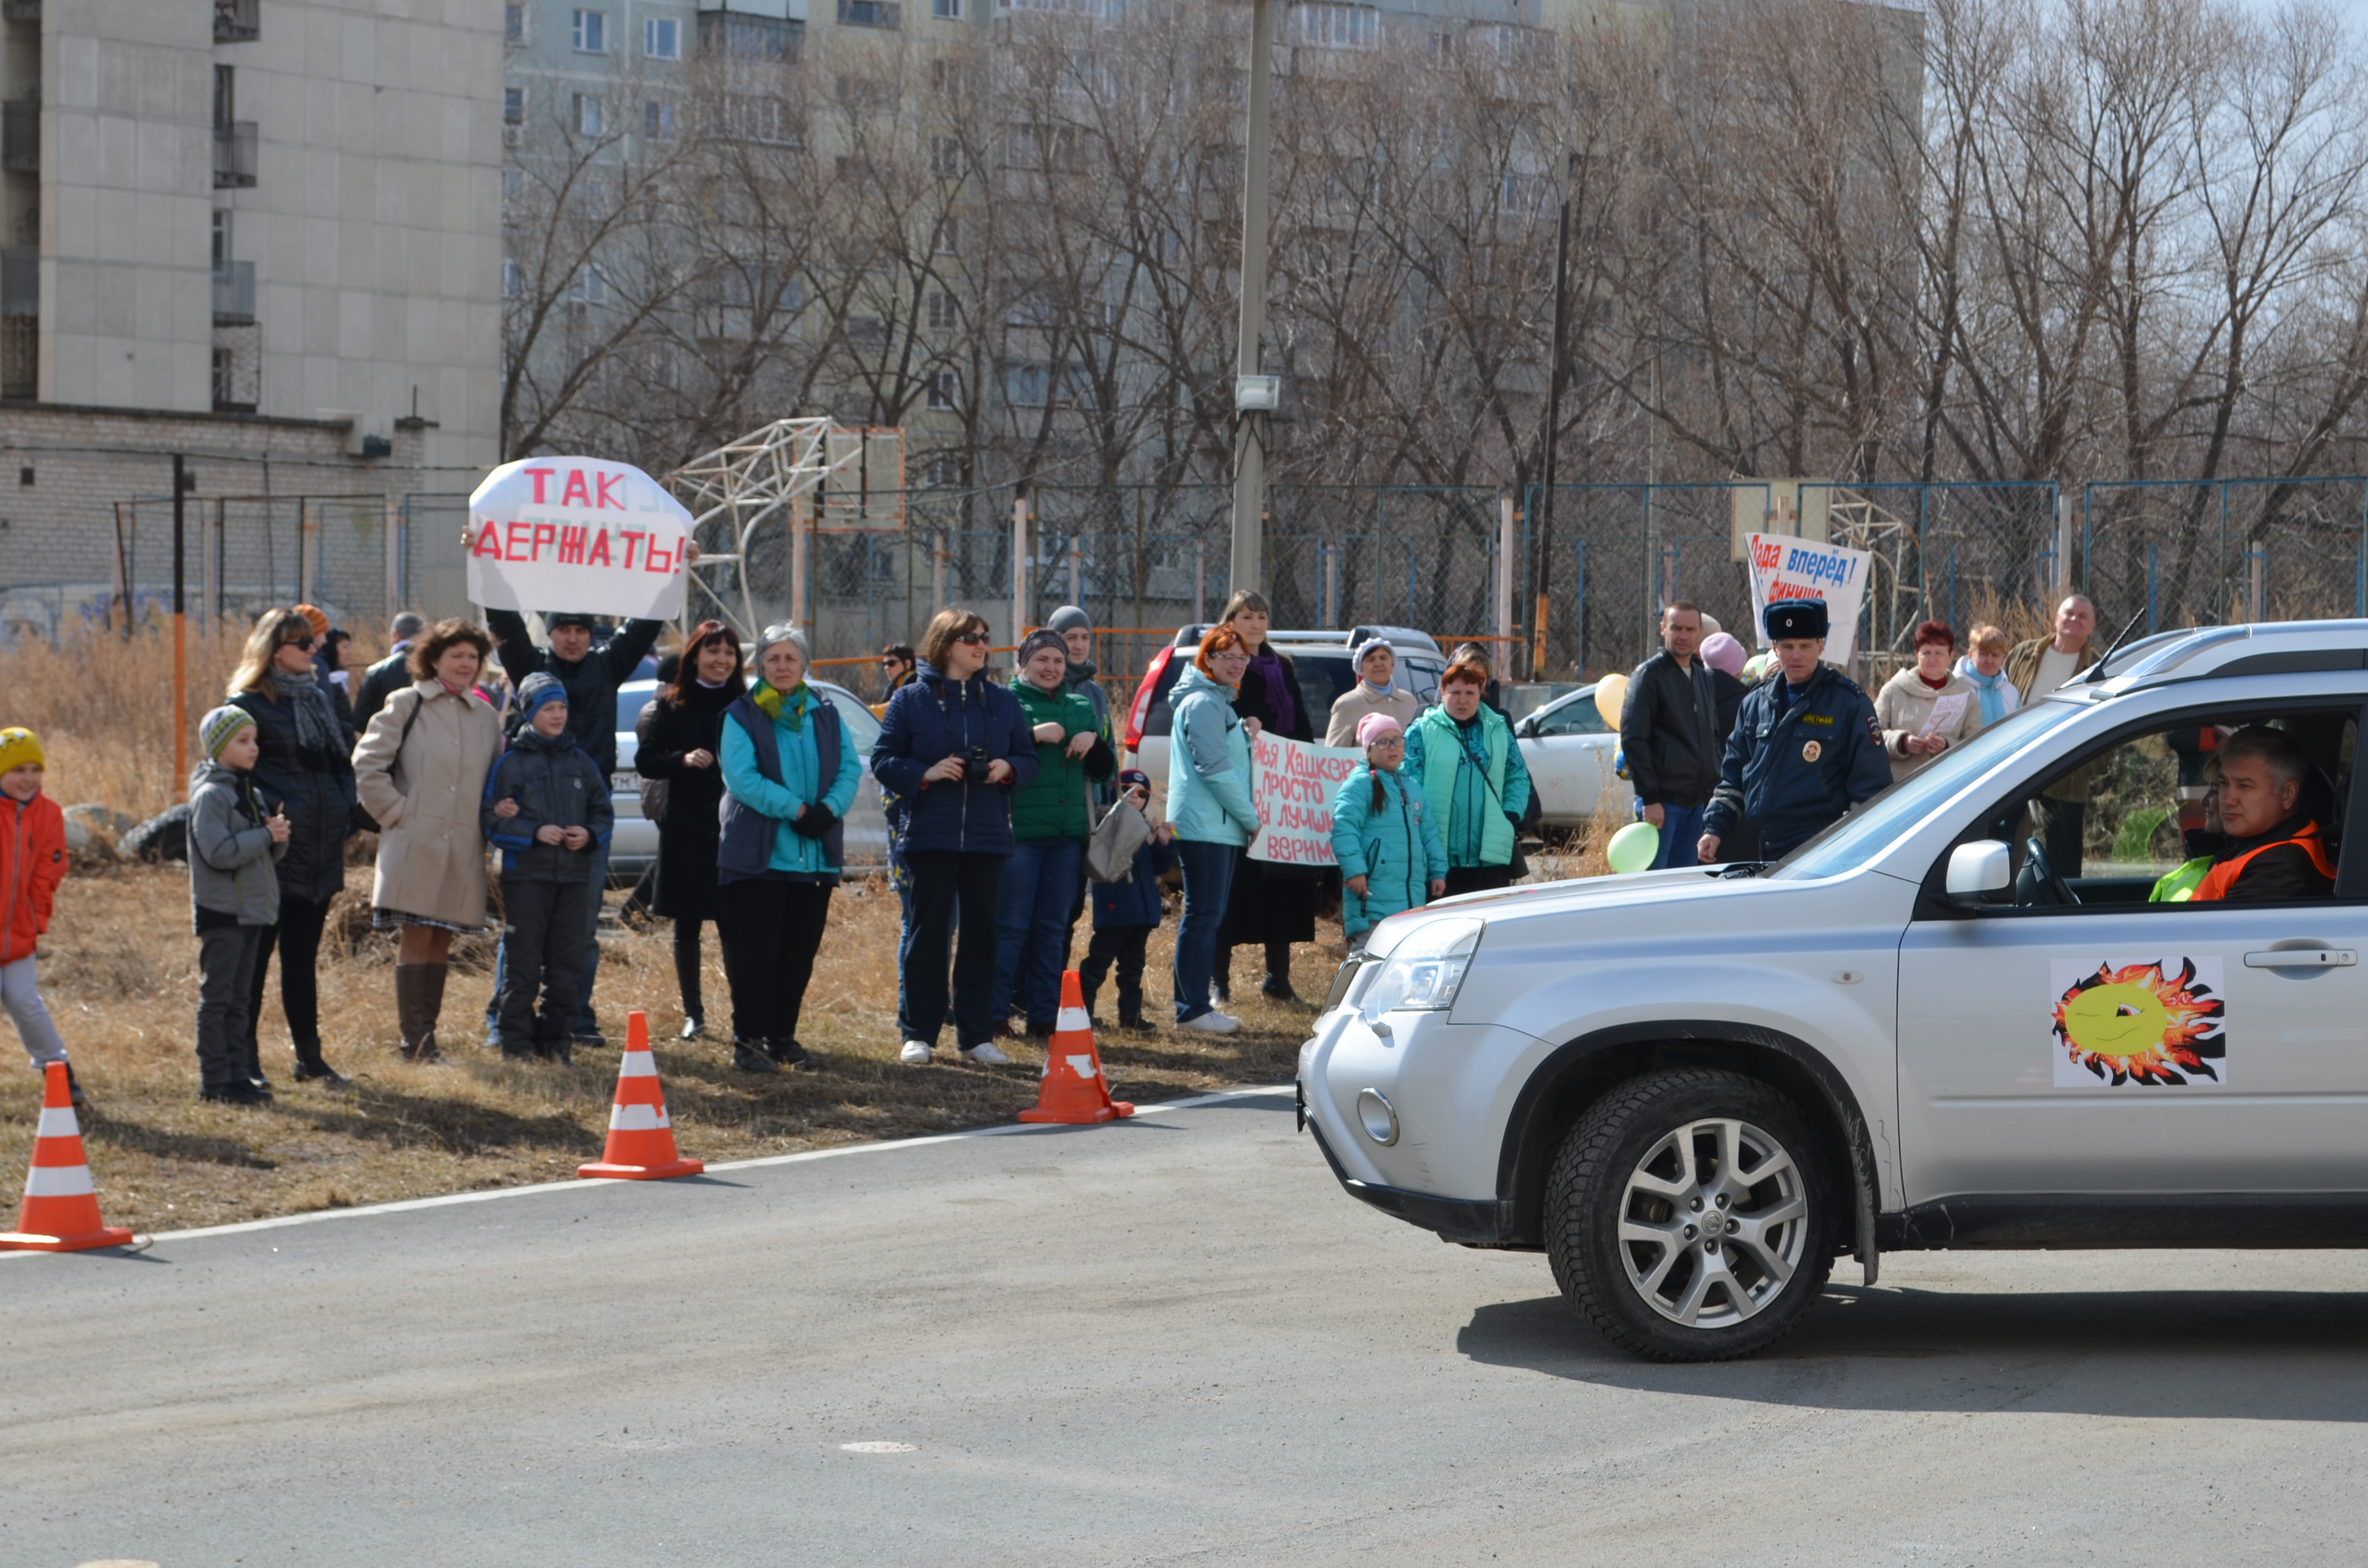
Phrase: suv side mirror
pixel 1978 868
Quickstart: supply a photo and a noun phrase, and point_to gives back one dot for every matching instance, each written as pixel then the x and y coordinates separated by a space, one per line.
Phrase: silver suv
pixel 1693 1089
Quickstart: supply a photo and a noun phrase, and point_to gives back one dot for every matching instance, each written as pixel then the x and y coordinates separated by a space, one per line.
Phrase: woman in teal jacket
pixel 1209 810
pixel 1383 834
pixel 1462 757
pixel 789 773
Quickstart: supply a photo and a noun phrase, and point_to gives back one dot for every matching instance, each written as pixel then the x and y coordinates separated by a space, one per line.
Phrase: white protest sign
pixel 1291 785
pixel 1786 568
pixel 580 534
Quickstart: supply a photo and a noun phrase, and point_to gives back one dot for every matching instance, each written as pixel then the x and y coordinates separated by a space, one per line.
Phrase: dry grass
pixel 118 971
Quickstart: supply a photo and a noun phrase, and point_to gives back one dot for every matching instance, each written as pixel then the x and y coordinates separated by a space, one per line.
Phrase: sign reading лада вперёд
pixel 1784 567
pixel 1292 784
pixel 580 534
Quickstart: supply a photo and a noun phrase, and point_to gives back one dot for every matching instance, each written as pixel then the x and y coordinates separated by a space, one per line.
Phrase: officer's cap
pixel 1794 618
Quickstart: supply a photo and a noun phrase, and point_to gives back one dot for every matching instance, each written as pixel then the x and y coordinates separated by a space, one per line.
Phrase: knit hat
pixel 1037 642
pixel 536 689
pixel 1357 660
pixel 782 632
pixel 1133 778
pixel 1722 652
pixel 19 748
pixel 216 728
pixel 552 619
pixel 320 620
pixel 1069 618
pixel 1377 726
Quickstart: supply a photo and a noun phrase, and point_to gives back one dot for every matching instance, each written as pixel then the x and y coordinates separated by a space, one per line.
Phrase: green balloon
pixel 1633 848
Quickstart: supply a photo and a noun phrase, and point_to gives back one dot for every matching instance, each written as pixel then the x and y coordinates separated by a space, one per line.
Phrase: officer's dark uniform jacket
pixel 1797 760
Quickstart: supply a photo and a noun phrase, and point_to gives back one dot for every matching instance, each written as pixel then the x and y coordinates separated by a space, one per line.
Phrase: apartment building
pixel 262 233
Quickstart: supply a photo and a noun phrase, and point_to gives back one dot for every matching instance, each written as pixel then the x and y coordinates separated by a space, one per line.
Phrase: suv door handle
pixel 2303 958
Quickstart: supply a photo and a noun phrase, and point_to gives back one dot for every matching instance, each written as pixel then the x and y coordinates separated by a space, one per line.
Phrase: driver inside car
pixel 2275 851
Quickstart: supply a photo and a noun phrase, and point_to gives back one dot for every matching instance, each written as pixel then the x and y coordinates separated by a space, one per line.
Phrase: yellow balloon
pixel 1611 697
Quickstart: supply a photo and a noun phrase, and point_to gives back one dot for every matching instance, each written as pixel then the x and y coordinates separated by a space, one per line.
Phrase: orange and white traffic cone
pixel 61 1212
pixel 1075 1089
pixel 641 1137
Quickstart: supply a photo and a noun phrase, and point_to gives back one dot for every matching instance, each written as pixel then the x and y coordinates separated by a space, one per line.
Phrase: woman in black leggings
pixel 679 736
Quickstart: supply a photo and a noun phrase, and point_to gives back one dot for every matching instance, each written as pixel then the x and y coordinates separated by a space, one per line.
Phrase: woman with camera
pixel 953 746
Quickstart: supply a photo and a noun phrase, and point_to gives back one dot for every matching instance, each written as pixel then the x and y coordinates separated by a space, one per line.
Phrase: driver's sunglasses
pixel 972 638
pixel 306 643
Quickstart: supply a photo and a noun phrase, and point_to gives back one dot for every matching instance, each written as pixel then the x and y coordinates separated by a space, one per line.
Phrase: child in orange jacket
pixel 32 863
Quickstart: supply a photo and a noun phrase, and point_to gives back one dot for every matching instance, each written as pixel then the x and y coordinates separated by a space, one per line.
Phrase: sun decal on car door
pixel 2139 1022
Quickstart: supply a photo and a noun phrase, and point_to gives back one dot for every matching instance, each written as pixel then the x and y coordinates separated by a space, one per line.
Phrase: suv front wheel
pixel 1686 1216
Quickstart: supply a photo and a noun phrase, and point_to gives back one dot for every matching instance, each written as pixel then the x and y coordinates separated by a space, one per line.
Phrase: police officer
pixel 1805 746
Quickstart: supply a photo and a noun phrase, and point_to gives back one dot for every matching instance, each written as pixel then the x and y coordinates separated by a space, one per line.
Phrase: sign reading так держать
pixel 1292 784
pixel 579 534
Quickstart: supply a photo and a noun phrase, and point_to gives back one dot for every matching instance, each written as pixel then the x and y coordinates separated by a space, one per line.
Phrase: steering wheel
pixel 2038 886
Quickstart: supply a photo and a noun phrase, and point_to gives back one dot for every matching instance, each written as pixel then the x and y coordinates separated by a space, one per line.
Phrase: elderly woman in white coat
pixel 420 770
pixel 1906 706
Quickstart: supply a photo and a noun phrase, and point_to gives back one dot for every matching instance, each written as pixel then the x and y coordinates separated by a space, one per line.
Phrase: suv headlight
pixel 1426 971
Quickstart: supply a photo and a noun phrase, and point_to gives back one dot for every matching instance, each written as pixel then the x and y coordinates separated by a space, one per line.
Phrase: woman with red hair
pixel 1927 708
pixel 1210 811
pixel 680 735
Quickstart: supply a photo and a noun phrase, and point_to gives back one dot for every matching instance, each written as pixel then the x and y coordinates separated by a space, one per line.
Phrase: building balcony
pixel 238 21
pixel 20 10
pixel 20 134
pixel 235 293
pixel 734 35
pixel 886 14
pixel 234 156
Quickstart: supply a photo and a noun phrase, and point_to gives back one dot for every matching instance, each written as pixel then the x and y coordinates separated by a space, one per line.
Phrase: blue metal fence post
pixel 1579 608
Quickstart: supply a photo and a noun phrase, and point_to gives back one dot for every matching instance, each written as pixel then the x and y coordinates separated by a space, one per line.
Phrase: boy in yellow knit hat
pixel 32 863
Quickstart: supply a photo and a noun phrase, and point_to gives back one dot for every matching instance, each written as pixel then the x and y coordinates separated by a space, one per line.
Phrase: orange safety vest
pixel 2221 878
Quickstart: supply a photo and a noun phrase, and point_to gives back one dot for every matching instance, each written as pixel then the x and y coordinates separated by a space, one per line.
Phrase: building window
pixel 591 33
pixel 513 106
pixel 744 117
pixel 657 120
pixel 949 240
pixel 945 313
pixel 870 14
pixel 514 22
pixel 1336 26
pixel 942 472
pixel 512 286
pixel 945 392
pixel 737 37
pixel 222 238
pixel 946 10
pixel 1025 385
pixel 588 118
pixel 590 288
pixel 662 37
pixel 946 157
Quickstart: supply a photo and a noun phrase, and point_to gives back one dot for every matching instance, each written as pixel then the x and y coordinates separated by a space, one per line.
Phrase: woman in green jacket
pixel 1049 824
pixel 1463 758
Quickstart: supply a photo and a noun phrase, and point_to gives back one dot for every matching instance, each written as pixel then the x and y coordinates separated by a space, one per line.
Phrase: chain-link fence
pixel 2175 553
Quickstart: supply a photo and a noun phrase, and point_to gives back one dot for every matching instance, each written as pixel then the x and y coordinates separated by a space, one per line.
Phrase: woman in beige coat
pixel 1905 706
pixel 420 769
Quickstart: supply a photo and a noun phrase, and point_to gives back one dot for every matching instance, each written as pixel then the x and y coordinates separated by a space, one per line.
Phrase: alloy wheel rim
pixel 1712 1224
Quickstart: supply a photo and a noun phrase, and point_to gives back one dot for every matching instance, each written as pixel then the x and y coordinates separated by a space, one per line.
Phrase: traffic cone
pixel 1075 1089
pixel 61 1212
pixel 641 1138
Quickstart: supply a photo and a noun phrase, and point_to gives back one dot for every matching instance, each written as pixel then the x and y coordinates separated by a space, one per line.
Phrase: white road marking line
pixel 489 1194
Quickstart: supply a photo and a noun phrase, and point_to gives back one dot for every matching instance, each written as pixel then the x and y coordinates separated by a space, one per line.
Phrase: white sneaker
pixel 1213 1023
pixel 985 1055
pixel 914 1054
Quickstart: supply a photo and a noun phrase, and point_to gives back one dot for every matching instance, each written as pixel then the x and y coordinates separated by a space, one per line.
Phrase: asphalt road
pixel 1171 1340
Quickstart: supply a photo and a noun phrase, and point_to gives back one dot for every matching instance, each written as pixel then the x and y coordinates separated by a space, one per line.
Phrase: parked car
pixel 1321 659
pixel 633 845
pixel 1568 750
pixel 1692 1089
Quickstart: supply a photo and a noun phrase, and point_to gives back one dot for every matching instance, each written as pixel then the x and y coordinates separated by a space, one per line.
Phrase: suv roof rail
pixel 2284 647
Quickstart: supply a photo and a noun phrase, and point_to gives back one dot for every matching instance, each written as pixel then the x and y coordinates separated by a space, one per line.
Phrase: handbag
pixel 654 799
pixel 1111 846
pixel 362 821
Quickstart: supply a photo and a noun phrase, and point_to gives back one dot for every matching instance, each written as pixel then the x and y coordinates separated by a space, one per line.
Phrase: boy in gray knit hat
pixel 235 896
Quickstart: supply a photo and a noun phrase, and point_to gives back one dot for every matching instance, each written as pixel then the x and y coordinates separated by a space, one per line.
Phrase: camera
pixel 977 762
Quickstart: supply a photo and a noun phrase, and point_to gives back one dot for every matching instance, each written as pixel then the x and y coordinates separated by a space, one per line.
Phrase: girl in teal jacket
pixel 1383 834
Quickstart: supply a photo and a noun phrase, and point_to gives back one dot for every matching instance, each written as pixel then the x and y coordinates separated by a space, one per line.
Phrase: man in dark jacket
pixel 1806 747
pixel 546 808
pixel 389 675
pixel 589 671
pixel 1668 732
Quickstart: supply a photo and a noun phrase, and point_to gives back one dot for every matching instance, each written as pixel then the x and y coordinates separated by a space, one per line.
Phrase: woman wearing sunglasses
pixel 303 768
pixel 954 745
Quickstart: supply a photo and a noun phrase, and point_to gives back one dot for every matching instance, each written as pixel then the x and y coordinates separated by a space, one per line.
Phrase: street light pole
pixel 1546 459
pixel 1248 563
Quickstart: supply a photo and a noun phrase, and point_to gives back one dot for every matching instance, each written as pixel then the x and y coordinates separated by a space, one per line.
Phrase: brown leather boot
pixel 418 997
